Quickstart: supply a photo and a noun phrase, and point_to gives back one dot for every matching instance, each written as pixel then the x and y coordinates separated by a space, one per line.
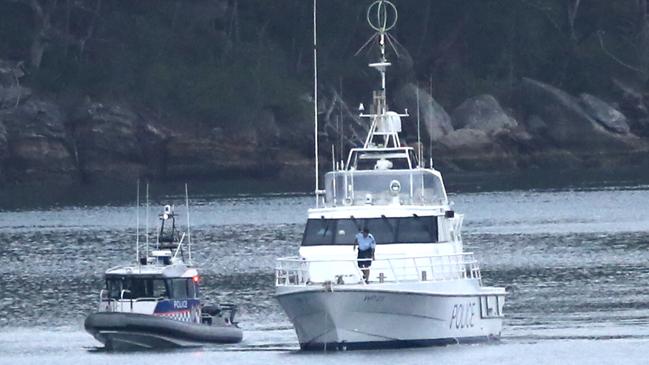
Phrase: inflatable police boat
pixel 155 304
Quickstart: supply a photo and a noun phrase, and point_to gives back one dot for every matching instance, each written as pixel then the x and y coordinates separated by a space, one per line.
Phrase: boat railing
pixel 109 304
pixel 106 303
pixel 296 271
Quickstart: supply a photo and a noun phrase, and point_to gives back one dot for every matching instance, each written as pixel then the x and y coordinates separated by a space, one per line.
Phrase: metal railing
pixel 109 304
pixel 296 271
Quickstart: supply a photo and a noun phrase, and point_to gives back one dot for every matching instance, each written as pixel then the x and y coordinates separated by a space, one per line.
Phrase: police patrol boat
pixel 156 304
pixel 423 289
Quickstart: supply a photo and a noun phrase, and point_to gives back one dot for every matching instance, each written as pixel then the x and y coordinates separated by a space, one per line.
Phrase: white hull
pixel 373 316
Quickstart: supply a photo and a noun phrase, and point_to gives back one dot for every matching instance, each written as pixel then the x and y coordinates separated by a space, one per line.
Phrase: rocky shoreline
pixel 535 126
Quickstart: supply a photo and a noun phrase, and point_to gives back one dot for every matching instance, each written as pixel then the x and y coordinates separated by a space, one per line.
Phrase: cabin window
pixel 346 230
pixel 191 289
pixel 179 288
pixel 136 287
pixel 114 288
pixel 159 289
pixel 383 229
pixel 373 164
pixel 415 229
pixel 320 231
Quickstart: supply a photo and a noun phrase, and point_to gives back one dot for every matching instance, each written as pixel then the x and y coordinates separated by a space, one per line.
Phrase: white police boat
pixel 155 304
pixel 424 289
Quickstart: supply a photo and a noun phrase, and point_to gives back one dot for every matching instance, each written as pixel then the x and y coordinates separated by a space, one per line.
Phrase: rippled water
pixel 576 263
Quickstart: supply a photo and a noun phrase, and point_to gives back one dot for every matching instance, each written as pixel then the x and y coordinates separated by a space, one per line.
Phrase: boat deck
pixel 296 271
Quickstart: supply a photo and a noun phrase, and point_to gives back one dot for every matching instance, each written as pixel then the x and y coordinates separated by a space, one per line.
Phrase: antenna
pixel 378 16
pixel 315 98
pixel 340 116
pixel 147 219
pixel 189 233
pixel 137 224
pixel 418 130
pixel 382 16
pixel 430 150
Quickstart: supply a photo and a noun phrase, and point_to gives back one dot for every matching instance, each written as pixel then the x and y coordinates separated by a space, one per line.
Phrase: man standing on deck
pixel 366 245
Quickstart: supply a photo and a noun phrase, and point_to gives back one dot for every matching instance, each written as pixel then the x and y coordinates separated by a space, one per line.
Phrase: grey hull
pixel 126 331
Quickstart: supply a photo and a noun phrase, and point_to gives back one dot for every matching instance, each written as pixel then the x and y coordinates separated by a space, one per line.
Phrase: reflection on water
pixel 575 263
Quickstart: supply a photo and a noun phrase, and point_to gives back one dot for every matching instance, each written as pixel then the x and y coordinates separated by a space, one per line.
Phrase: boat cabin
pixel 160 284
pixel 171 291
pixel 152 288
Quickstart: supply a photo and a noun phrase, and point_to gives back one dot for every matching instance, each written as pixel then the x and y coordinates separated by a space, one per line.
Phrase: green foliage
pixel 221 62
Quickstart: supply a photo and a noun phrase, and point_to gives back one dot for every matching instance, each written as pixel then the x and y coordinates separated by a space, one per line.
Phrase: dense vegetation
pixel 222 62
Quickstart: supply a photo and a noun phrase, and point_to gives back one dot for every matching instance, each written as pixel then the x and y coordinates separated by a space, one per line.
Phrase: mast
pixel 315 99
pixel 147 220
pixel 137 224
pixel 382 16
pixel 419 147
pixel 189 233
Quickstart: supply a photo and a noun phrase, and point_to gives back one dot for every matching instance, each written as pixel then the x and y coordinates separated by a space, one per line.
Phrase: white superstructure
pixel 423 288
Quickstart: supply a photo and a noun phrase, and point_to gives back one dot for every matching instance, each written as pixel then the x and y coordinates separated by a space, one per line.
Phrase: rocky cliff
pixel 95 90
pixel 541 127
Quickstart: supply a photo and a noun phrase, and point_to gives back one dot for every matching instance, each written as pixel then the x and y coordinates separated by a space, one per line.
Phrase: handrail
pixel 112 302
pixel 301 271
pixel 102 293
pixel 301 259
pixel 121 299
pixel 142 299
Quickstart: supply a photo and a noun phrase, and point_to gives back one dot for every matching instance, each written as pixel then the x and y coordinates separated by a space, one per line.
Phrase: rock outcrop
pixel 568 124
pixel 112 141
pixel 633 104
pixel 104 141
pixel 468 149
pixel 609 117
pixel 558 131
pixel 37 144
pixel 229 156
pixel 483 113
pixel 435 121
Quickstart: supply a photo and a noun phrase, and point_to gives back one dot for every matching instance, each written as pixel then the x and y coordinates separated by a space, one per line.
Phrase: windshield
pixel 385 230
pixel 143 287
pixel 380 187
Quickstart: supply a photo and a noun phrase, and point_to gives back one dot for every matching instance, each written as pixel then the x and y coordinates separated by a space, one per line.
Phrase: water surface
pixel 575 261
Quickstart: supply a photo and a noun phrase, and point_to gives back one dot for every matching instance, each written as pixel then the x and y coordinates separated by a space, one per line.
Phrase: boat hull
pixel 133 331
pixel 362 318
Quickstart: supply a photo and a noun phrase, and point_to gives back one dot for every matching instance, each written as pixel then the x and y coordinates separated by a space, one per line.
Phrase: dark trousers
pixel 365 258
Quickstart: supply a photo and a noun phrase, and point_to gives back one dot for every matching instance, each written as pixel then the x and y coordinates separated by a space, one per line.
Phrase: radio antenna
pixel 147 220
pixel 189 233
pixel 315 99
pixel 419 146
pixel 137 224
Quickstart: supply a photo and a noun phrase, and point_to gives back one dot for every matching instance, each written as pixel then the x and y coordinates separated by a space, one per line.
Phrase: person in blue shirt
pixel 366 245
